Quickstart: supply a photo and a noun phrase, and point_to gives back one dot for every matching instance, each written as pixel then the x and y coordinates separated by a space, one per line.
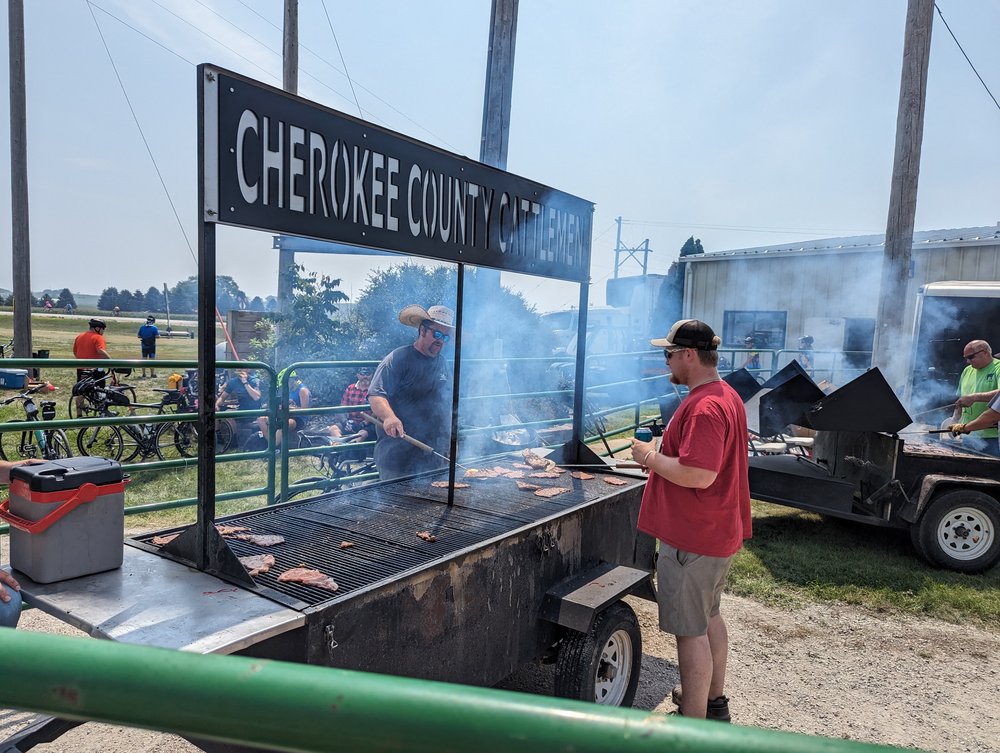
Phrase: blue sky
pixel 741 123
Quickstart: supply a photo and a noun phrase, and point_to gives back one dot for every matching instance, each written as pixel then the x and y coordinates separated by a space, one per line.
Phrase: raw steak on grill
pixel 257 564
pixel 308 577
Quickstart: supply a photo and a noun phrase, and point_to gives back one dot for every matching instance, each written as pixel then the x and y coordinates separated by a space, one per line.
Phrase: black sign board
pixel 281 163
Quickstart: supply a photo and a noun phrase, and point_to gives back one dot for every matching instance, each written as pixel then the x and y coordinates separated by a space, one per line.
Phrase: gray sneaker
pixel 718 708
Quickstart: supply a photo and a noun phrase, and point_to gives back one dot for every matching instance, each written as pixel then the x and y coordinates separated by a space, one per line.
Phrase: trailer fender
pixel 575 602
pixel 932 482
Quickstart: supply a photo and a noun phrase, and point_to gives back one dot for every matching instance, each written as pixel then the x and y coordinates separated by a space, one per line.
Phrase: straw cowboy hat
pixel 413 315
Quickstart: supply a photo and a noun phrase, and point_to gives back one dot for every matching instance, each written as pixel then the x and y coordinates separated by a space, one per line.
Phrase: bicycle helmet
pixel 97 324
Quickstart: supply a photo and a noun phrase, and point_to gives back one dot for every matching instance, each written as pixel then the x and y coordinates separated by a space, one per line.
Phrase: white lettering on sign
pixel 286 166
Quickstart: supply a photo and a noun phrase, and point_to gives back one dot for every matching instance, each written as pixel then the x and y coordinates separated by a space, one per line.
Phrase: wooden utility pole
pixel 484 291
pixel 499 83
pixel 290 83
pixel 20 249
pixel 887 353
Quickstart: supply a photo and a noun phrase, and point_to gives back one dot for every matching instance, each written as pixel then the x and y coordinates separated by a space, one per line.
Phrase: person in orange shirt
pixel 90 345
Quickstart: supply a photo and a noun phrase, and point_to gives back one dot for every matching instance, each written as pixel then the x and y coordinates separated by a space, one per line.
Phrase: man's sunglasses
pixel 974 354
pixel 668 353
pixel 438 335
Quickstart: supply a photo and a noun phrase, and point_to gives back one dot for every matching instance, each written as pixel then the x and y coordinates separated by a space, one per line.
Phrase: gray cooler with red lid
pixel 67 518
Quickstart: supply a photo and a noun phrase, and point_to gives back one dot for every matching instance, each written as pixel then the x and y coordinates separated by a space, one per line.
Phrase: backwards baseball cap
pixel 688 333
pixel 150 319
pixel 364 371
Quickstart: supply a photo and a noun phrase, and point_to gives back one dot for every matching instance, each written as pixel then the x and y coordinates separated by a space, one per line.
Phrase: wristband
pixel 646 457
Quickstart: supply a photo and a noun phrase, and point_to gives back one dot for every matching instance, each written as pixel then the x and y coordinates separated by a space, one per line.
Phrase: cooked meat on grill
pixel 537 461
pixel 514 474
pixel 614 480
pixel 480 473
pixel 526 486
pixel 583 476
pixel 552 491
pixel 257 564
pixel 444 484
pixel 308 577
pixel 260 539
pixel 229 530
pixel 544 474
pixel 165 539
pixel 522 466
pixel 427 536
pixel 346 544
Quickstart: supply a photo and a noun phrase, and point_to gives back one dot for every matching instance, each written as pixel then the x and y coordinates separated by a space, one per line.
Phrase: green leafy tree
pixel 311 330
pixel 65 296
pixel 138 301
pixel 256 304
pixel 692 246
pixel 108 299
pixel 154 300
pixel 126 300
pixel 184 296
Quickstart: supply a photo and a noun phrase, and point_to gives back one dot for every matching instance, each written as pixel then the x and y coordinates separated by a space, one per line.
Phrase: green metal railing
pixel 310 709
pixel 278 413
pixel 267 455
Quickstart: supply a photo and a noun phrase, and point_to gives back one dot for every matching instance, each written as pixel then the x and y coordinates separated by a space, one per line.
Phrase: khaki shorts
pixel 689 589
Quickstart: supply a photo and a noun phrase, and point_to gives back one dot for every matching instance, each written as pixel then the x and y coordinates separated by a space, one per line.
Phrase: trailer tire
pixel 602 666
pixel 959 531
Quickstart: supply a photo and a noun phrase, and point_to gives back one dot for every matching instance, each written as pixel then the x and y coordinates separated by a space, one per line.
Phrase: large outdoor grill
pixel 471 606
pixel 865 467
pixel 381 523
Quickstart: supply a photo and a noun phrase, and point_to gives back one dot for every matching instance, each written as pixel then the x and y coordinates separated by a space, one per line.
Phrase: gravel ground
pixel 829 670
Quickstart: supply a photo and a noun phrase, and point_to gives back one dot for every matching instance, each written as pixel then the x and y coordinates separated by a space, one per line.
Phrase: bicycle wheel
pixel 225 435
pixel 19 445
pixel 57 445
pixel 138 442
pixel 185 437
pixel 102 441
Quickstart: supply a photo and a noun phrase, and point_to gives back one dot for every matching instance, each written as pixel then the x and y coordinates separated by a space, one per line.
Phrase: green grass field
pixel 794 557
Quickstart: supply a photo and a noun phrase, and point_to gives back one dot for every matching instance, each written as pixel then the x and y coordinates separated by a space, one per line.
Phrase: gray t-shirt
pixel 419 389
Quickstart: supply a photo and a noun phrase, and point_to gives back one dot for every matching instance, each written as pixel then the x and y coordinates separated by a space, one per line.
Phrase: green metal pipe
pixel 308 709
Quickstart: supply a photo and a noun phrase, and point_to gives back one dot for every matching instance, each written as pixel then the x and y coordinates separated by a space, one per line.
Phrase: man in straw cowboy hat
pixel 410 393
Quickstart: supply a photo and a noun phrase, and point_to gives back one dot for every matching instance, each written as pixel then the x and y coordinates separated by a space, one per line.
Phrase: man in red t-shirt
pixel 697 503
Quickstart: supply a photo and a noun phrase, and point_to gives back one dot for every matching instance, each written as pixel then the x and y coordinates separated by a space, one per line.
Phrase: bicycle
pixel 340 468
pixel 8 348
pixel 35 442
pixel 92 380
pixel 181 400
pixel 128 441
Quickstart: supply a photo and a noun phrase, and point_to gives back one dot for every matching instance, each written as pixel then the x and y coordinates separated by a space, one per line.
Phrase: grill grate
pixel 381 521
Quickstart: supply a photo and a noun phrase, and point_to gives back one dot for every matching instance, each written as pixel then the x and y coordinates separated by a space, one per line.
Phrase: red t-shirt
pixel 709 431
pixel 86 344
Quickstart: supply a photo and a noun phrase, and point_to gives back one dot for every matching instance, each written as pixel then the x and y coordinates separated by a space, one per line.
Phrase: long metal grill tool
pixel 415 442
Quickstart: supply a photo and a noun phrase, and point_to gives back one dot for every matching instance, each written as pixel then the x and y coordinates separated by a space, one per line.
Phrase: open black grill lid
pixel 863 404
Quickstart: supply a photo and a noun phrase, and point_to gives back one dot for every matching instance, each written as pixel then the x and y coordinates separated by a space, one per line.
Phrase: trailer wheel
pixel 603 665
pixel 959 531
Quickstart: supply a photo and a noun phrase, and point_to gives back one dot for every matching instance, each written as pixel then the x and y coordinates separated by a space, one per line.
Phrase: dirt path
pixel 829 670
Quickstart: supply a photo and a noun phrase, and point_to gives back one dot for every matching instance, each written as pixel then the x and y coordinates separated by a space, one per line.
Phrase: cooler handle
pixel 86 493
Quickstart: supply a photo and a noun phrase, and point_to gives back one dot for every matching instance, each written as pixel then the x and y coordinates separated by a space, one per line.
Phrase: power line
pixel 343 62
pixel 142 34
pixel 361 86
pixel 142 135
pixel 962 50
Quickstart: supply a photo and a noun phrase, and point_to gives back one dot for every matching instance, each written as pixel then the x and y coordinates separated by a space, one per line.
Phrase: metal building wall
pixel 821 283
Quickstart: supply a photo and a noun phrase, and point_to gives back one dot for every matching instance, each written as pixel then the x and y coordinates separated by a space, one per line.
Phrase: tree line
pixel 183 298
